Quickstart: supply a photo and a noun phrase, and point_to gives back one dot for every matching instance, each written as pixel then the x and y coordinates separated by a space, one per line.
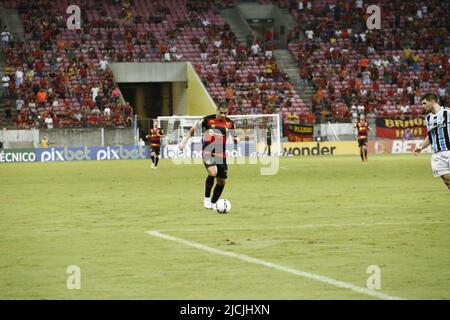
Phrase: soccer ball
pixel 223 206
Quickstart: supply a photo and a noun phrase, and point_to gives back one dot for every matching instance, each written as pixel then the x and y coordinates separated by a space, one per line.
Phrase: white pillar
pixel 102 132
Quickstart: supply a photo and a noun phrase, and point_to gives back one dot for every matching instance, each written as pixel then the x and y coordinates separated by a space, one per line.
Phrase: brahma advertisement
pixel 401 129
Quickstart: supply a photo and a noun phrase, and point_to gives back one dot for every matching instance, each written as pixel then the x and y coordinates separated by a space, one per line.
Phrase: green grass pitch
pixel 331 216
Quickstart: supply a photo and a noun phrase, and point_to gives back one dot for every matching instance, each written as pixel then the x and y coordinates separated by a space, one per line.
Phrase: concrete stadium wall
pixel 280 23
pixel 149 71
pixel 189 95
pixel 255 10
pixel 68 137
pixel 89 137
pixel 19 138
pixel 199 100
pixel 179 98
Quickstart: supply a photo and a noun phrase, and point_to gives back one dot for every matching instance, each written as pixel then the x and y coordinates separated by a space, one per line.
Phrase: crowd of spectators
pixel 380 72
pixel 54 82
pixel 64 74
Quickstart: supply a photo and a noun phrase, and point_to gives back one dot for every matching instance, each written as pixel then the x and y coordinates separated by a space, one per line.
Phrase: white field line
pixel 245 258
pixel 312 226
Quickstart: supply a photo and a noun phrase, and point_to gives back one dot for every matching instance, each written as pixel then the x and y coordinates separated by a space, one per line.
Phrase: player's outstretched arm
pixel 425 144
pixel 186 138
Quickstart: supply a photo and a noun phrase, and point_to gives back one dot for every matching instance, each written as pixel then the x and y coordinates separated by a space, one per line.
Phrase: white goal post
pixel 252 131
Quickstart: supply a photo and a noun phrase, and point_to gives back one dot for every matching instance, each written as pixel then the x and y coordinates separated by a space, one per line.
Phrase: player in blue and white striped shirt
pixel 438 126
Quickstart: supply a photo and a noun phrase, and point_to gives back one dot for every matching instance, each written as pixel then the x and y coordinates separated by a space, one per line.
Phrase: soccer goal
pixel 253 132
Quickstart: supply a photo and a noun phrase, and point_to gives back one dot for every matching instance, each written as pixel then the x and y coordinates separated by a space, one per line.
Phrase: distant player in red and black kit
pixel 155 135
pixel 215 130
pixel 362 127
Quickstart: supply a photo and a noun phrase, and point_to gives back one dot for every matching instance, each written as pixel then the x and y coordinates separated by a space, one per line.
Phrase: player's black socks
pixel 208 186
pixel 156 161
pixel 362 155
pixel 365 154
pixel 153 159
pixel 217 192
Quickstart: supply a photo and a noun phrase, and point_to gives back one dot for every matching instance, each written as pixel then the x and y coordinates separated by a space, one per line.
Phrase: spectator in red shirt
pixel 209 78
pixel 38 67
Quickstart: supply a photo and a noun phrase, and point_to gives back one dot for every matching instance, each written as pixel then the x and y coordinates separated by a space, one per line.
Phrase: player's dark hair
pixel 223 105
pixel 429 97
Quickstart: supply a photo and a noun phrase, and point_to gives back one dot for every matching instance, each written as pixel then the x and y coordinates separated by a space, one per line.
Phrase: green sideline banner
pixel 17 155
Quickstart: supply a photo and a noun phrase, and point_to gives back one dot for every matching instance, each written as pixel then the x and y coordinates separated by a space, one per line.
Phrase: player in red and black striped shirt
pixel 215 129
pixel 362 127
pixel 155 135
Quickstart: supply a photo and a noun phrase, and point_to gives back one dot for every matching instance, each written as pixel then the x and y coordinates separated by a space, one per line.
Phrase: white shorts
pixel 440 163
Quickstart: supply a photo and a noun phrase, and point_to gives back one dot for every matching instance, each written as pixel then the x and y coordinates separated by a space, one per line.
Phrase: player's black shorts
pixel 156 150
pixel 362 143
pixel 221 164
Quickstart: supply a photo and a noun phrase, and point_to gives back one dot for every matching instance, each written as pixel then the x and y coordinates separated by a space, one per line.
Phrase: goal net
pixel 253 132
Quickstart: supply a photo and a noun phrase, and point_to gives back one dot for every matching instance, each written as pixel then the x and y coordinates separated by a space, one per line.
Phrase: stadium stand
pixel 67 62
pixel 380 72
pixel 385 70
